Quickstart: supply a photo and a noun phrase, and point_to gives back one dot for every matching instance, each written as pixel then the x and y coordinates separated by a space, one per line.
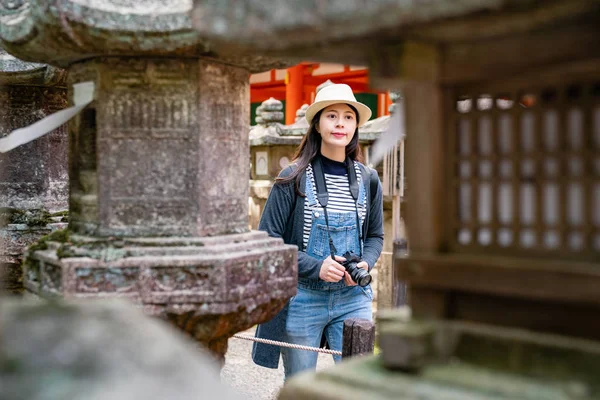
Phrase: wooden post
pixel 294 92
pixel 358 337
pixel 381 104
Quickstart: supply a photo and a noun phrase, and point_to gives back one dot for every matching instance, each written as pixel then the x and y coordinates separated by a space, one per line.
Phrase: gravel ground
pixel 258 383
pixel 248 379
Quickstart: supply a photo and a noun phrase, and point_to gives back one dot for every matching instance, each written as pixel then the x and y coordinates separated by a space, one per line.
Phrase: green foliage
pixel 32 218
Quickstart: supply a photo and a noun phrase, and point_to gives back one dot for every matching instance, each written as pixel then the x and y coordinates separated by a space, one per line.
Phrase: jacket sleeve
pixel 308 267
pixel 280 211
pixel 373 244
pixel 278 208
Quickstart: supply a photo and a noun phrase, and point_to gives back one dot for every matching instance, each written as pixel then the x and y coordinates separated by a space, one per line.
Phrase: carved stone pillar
pixel 158 152
pixel 158 172
pixel 33 177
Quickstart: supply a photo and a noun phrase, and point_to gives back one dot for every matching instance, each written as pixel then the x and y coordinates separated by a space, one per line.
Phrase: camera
pixel 358 275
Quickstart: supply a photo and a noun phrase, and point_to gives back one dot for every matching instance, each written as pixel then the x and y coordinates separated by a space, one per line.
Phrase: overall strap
pixel 354 190
pixel 352 181
pixel 323 196
pixel 319 175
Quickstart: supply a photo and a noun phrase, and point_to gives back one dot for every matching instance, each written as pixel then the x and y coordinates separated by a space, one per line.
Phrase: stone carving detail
pixel 193 278
pixel 130 116
pixel 33 175
pixel 96 280
pixel 246 277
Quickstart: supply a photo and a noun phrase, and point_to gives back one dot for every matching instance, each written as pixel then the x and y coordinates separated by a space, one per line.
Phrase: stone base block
pixel 474 361
pixel 209 287
pixel 14 240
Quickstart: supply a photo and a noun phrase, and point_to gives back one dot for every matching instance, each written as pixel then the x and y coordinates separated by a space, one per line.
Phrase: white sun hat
pixel 335 94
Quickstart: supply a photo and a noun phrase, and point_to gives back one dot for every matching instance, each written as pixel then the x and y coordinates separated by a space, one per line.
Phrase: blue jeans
pixel 317 307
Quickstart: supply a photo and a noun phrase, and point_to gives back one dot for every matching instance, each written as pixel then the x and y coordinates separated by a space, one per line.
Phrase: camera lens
pixel 365 280
pixel 362 277
pixel 358 275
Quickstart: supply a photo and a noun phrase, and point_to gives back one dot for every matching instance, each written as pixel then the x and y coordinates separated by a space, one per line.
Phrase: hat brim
pixel 364 112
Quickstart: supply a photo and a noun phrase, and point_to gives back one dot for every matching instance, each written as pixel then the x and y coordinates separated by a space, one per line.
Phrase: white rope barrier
pixel 83 94
pixel 284 344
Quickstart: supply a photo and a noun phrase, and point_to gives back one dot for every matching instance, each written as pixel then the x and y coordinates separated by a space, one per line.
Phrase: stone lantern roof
pixel 269 112
pixel 369 33
pixel 269 118
pixel 14 71
pixel 76 30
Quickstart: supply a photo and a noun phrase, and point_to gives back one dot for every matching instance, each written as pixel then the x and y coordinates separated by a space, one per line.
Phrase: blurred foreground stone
pixel 98 350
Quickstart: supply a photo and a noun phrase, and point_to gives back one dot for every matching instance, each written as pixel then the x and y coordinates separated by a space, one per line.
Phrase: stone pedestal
pixel 210 287
pixel 158 201
pixel 99 350
pixel 158 168
pixel 33 177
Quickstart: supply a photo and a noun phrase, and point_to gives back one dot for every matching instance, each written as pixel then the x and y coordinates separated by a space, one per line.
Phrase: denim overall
pixel 320 305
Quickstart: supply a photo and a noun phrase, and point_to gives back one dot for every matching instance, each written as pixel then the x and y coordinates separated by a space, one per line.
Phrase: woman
pixel 325 220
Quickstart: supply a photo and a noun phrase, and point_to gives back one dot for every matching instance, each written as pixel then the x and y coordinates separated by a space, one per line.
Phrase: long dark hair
pixel 310 147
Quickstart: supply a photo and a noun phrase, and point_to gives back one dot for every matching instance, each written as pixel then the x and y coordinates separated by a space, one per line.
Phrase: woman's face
pixel 337 126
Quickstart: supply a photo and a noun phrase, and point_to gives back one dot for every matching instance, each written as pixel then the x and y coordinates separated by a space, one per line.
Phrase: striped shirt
pixel 340 198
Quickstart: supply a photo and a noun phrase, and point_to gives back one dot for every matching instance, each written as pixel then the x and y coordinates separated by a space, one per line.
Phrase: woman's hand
pixel 332 271
pixel 348 278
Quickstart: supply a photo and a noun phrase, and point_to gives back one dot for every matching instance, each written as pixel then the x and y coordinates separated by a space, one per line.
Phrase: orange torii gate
pixel 297 85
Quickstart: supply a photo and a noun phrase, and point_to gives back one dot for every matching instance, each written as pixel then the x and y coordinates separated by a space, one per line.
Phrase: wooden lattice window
pixel 525 171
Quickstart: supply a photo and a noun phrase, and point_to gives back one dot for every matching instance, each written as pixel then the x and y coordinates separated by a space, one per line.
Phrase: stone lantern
pixel 502 108
pixel 158 189
pixel 33 177
pixel 266 162
pixel 270 152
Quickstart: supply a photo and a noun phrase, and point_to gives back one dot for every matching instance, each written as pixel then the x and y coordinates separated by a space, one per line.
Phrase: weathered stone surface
pixel 19 72
pixel 98 350
pixel 33 177
pixel 210 287
pixel 285 25
pixel 160 131
pixel 358 337
pixel 159 206
pixel 14 240
pixel 524 365
pixel 364 378
pixel 66 31
pixel 406 346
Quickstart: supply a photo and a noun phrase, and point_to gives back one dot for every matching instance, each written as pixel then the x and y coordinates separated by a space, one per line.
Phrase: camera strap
pixel 323 196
